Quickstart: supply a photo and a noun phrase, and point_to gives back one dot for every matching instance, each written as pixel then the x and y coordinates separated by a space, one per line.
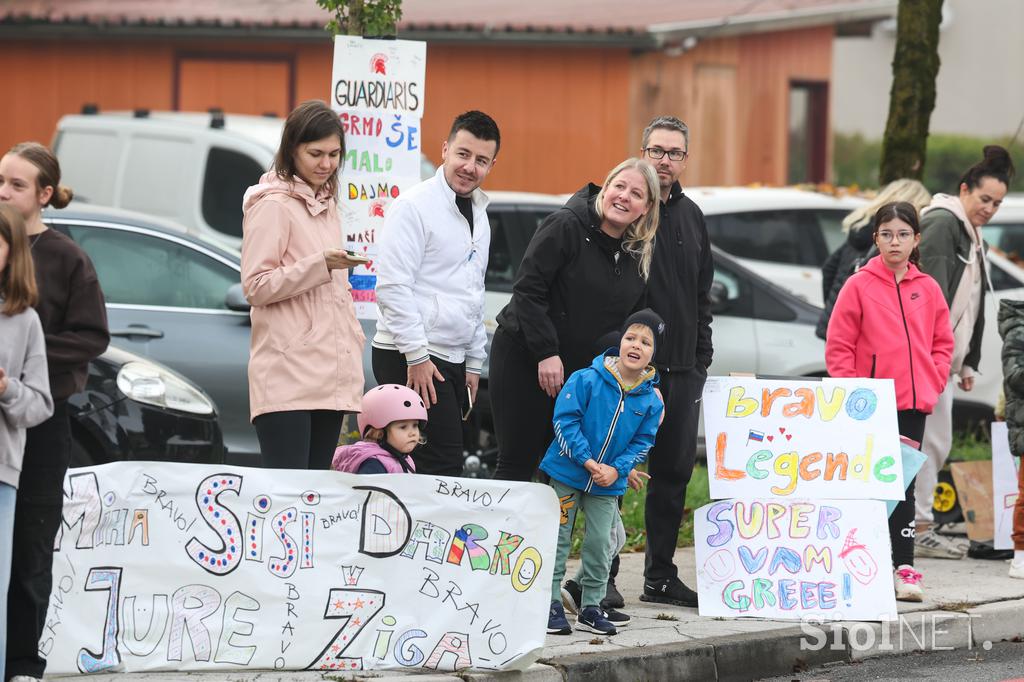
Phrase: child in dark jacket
pixel 1011 328
pixel 605 420
pixel 390 425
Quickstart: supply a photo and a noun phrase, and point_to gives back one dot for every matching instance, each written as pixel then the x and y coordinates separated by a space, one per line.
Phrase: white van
pixel 188 167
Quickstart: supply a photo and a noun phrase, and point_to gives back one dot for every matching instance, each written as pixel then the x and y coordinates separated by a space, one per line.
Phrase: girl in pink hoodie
pixel 891 321
pixel 305 358
pixel 392 419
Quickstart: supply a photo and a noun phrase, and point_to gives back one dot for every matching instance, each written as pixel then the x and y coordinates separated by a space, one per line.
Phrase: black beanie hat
pixel 649 319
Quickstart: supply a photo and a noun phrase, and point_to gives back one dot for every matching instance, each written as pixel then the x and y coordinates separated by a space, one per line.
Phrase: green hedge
pixel 856 159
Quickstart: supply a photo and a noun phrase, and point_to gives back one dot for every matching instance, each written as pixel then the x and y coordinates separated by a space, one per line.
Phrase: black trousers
pixel 522 411
pixel 298 439
pixel 901 521
pixel 442 454
pixel 670 464
pixel 37 517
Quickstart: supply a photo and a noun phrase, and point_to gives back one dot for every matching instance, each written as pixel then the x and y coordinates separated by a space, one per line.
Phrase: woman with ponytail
pixel 891 322
pixel 74 320
pixel 953 253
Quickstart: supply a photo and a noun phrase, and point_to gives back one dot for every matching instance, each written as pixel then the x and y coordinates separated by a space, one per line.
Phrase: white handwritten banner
pixel 828 438
pixel 197 567
pixel 823 559
pixel 1004 485
pixel 377 88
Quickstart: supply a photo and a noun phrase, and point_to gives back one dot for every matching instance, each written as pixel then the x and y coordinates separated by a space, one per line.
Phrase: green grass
pixel 633 515
pixel 971 446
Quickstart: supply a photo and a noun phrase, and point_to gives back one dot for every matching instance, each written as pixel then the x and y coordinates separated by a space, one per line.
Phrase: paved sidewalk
pixel 967 603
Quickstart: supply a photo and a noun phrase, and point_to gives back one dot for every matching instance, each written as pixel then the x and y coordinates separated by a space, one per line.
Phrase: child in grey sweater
pixel 24 382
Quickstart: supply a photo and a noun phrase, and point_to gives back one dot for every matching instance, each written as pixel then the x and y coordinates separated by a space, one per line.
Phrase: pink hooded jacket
pixel 306 351
pixel 882 329
pixel 350 457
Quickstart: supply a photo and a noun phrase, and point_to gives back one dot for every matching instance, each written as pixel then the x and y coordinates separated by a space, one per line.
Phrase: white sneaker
pixel 24 678
pixel 908 584
pixel 930 544
pixel 1017 569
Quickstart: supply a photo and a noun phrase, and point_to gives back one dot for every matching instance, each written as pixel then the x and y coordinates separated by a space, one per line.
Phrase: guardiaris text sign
pixel 829 438
pixel 196 567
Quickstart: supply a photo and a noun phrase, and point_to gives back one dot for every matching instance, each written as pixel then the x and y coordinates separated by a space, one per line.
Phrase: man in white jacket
pixel 430 289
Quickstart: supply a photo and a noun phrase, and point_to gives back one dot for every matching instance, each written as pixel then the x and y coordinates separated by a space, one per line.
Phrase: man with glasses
pixel 678 290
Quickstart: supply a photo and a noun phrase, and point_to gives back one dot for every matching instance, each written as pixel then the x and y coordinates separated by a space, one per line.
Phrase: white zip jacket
pixel 430 276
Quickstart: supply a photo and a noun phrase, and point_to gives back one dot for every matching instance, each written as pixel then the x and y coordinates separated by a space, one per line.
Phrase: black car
pixel 135 409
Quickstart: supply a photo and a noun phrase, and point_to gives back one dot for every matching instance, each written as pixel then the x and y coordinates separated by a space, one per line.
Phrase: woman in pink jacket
pixel 305 362
pixel 891 321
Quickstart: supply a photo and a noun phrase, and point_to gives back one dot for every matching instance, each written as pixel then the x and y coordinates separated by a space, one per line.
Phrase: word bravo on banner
pixel 830 438
pixel 163 567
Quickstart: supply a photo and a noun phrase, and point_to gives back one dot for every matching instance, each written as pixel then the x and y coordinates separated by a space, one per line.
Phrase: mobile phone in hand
pixel 353 256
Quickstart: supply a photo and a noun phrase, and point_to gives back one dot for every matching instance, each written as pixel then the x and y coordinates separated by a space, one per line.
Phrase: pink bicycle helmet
pixel 390 403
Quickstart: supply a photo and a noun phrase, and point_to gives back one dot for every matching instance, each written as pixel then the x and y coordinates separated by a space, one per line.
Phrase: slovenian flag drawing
pixel 755 435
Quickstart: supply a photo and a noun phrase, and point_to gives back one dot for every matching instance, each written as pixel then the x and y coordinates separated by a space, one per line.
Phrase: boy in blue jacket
pixel 606 417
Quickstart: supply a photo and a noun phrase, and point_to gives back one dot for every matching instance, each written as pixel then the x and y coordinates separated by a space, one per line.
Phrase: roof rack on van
pixel 140 113
pixel 90 109
pixel 216 118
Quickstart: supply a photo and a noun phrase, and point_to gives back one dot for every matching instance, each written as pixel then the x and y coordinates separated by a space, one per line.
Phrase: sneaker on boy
pixel 1017 568
pixel 669 591
pixel 592 619
pixel 616 618
pixel 557 622
pixel 931 545
pixel 908 584
pixel 572 596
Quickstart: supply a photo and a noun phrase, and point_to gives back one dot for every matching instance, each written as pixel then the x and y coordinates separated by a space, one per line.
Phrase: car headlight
pixel 149 384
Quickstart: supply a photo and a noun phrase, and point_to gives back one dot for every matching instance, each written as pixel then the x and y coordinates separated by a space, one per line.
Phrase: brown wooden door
pixel 241 85
pixel 714 144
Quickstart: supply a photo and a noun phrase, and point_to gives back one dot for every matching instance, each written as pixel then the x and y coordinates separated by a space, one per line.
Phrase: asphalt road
pixel 1002 663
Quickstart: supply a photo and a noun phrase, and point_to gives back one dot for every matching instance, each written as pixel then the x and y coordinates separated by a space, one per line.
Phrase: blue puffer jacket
pixel 596 419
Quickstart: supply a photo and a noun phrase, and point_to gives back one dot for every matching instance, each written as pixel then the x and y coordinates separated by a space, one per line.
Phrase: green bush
pixel 856 160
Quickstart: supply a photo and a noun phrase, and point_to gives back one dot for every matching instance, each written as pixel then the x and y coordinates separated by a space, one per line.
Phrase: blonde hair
pixel 638 241
pixel 904 189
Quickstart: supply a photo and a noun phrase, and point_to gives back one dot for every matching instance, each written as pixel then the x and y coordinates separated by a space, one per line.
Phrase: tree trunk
pixel 914 68
pixel 355 18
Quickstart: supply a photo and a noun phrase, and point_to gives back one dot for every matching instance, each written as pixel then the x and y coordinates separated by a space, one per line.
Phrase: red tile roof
pixel 478 16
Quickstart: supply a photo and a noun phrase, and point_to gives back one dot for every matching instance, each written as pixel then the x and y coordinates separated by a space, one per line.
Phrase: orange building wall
pixel 733 93
pixel 563 112
pixel 567 115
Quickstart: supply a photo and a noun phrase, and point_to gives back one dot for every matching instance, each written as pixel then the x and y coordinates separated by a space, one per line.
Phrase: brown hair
pixel 995 163
pixel 18 279
pixel 310 121
pixel 46 162
pixel 899 210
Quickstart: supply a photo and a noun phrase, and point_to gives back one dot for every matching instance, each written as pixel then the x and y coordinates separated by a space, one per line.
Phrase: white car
pixel 785 235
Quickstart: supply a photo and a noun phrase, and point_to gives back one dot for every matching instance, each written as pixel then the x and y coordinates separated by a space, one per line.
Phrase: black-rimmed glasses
pixel 659 153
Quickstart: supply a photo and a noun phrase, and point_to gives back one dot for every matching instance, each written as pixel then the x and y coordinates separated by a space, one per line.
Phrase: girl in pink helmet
pixel 390 424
